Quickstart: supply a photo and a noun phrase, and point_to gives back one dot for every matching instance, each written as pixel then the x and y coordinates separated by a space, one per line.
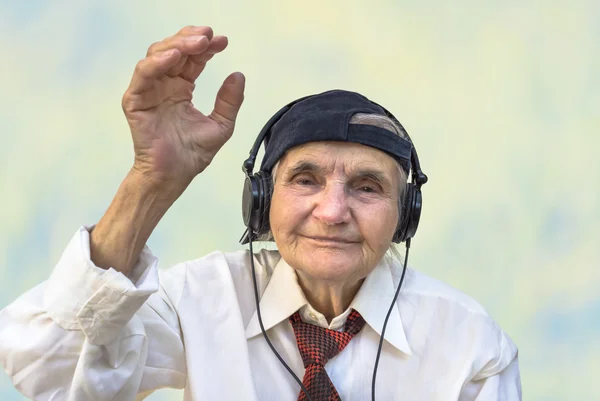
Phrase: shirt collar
pixel 283 297
pixel 373 301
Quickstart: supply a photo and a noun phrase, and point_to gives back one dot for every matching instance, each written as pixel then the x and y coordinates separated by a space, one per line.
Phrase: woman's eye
pixel 304 181
pixel 368 187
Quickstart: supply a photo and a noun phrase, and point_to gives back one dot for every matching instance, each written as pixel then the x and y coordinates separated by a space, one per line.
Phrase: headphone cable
pixel 386 321
pixel 285 365
pixel 262 327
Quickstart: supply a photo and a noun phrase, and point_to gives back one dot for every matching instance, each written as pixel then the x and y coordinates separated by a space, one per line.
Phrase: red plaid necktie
pixel 317 345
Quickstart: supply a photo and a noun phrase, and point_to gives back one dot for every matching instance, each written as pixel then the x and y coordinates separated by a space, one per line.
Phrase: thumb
pixel 229 99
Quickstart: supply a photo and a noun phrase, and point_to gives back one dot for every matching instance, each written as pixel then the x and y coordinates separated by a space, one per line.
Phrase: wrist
pixel 120 235
pixel 161 188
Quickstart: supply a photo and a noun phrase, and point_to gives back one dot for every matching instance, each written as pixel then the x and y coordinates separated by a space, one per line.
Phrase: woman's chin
pixel 328 266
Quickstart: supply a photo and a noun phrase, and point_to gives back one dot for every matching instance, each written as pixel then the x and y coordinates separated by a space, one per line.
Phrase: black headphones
pixel 258 189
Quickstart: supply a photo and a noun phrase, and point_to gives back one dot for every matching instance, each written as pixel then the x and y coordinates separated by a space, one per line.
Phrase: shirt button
pixel 312 316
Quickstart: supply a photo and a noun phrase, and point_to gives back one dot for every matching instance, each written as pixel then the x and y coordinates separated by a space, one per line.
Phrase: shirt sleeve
pixel 93 334
pixel 499 380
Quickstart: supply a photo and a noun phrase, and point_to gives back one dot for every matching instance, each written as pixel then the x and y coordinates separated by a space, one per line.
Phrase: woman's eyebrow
pixel 376 175
pixel 304 166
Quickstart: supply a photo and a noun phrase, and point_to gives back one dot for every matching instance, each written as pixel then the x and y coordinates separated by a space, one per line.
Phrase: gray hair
pixel 380 121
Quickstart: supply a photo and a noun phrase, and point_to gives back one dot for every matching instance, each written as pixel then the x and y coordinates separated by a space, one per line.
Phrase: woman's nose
pixel 332 205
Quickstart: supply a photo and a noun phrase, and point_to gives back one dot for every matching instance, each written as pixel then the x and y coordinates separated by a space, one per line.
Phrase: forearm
pixel 122 232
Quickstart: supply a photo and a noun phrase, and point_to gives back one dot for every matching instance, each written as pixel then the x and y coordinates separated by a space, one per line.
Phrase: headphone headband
pixel 248 165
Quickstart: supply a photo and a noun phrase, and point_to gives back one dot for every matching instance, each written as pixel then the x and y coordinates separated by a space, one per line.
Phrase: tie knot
pixel 318 345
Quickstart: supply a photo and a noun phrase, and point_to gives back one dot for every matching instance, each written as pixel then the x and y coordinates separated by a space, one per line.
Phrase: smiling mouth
pixel 332 241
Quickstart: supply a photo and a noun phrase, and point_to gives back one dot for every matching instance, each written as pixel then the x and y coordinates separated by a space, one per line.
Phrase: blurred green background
pixel 502 100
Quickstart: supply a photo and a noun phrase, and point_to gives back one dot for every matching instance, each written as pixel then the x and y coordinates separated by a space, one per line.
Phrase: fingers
pixel 217 45
pixel 229 100
pixel 150 68
pixel 184 55
pixel 170 57
pixel 197 45
pixel 190 42
pixel 190 68
pixel 184 40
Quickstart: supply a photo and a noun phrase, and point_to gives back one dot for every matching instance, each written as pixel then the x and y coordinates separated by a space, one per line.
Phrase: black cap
pixel 326 117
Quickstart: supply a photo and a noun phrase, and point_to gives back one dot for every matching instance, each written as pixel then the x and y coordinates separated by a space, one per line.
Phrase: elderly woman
pixel 108 326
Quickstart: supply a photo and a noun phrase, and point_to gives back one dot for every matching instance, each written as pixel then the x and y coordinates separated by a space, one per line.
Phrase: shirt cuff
pixel 82 296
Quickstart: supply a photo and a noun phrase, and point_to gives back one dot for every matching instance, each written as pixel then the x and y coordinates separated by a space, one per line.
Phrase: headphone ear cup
pixel 411 214
pixel 256 200
pixel 250 201
pixel 266 192
pixel 415 212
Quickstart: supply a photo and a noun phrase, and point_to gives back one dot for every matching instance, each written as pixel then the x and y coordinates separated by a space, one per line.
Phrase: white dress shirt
pixel 94 334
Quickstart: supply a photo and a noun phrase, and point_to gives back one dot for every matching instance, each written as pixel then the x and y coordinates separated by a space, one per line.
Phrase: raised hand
pixel 174 141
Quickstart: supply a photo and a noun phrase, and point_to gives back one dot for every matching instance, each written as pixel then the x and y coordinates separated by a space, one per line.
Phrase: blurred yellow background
pixel 502 100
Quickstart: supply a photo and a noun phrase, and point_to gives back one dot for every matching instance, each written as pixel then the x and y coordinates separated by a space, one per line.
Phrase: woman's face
pixel 334 209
